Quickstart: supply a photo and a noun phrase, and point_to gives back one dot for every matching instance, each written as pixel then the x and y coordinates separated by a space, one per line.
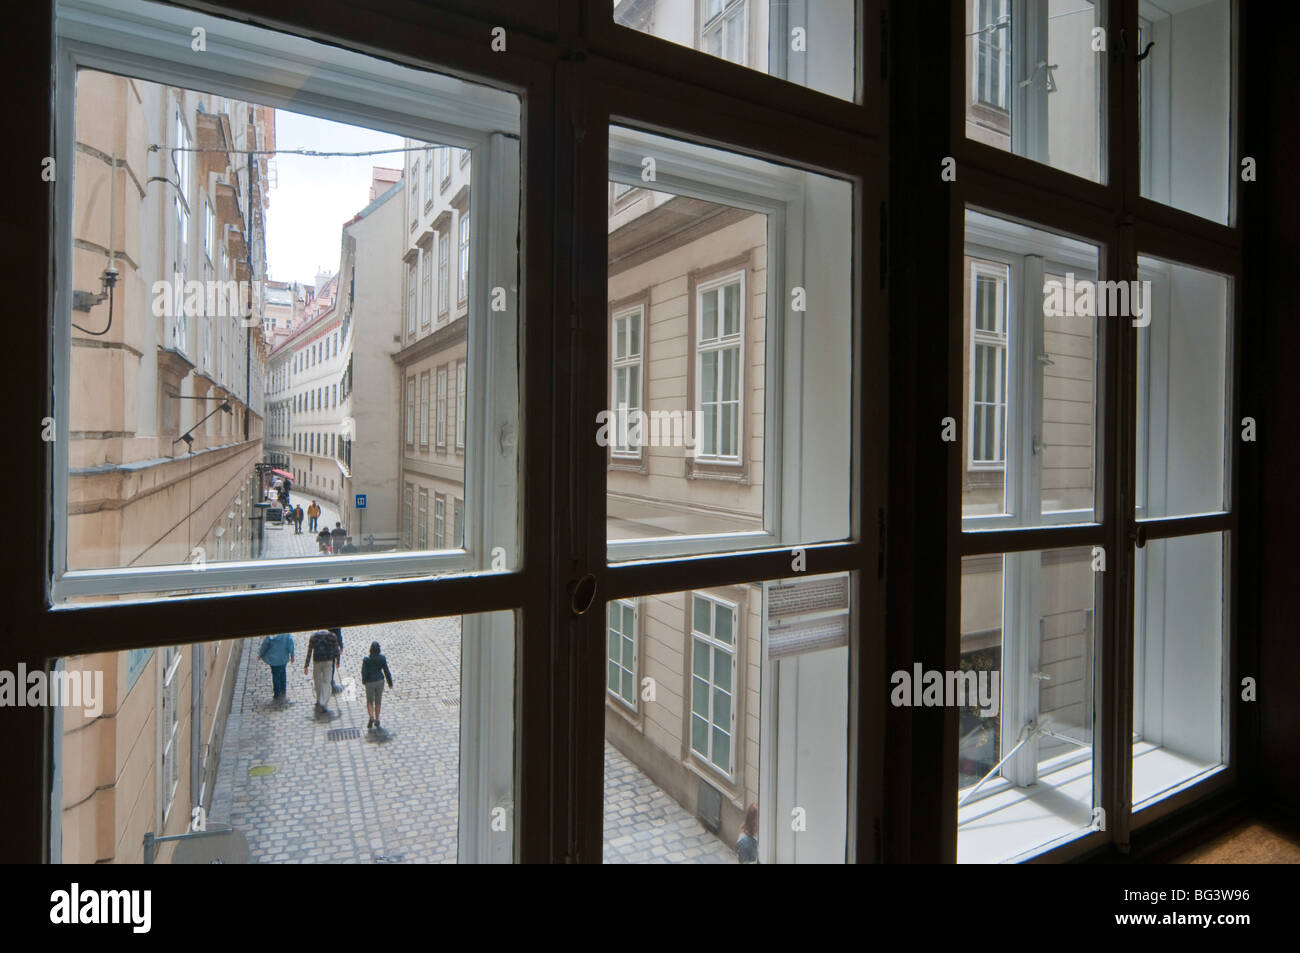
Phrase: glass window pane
pixel 809 44
pixel 279 787
pixel 721 755
pixel 700 264
pixel 709 315
pixel 1032 373
pixel 699 735
pixel 1182 391
pixel 700 665
pixel 1028 659
pixel 1034 81
pixel 1179 694
pixel 683 774
pixel 235 391
pixel 703 620
pixel 723 619
pixel 1186 88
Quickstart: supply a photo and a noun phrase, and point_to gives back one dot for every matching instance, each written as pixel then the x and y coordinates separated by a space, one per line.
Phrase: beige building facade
pixel 166 423
pixel 432 364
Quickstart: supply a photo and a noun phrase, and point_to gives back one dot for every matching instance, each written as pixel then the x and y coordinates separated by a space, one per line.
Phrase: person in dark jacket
pixel 374 669
pixel 337 537
pixel 323 649
pixel 297 519
pixel 338 637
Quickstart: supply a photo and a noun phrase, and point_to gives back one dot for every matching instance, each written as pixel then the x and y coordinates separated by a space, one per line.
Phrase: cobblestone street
pixel 643 825
pixel 300 797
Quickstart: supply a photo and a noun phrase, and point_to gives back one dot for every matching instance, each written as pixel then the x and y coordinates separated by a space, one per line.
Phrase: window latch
pixel 1137 534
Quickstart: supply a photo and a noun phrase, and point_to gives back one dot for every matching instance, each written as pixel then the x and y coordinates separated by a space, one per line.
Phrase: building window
pixel 209 231
pixel 428 174
pixel 622 652
pixel 426 280
pixel 459 514
pixel 460 405
pixel 713 676
pixel 464 254
pixel 408 516
pixel 424 409
pixel 422 524
pixel 442 407
pixel 443 243
pixel 625 379
pixel 410 411
pixel 410 298
pixel 170 720
pixel 719 345
pixel 988 409
pixel 722 30
pixel 992 52
pixel 439 520
pixel 444 166
pixel 415 194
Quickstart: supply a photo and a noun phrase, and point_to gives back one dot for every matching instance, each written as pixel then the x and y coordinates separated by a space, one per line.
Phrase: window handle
pixel 582 593
pixel 1137 534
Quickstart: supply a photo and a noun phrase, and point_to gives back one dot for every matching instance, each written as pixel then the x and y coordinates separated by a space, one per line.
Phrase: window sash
pixel 627 379
pixel 443 243
pixel 424 409
pixel 460 405
pixel 622 625
pixel 442 407
pixel 426 265
pixel 719 367
pixel 464 255
pixel 704 714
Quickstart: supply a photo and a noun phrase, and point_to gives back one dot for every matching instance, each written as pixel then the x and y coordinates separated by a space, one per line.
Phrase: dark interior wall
pixel 919 71
pixel 1272 345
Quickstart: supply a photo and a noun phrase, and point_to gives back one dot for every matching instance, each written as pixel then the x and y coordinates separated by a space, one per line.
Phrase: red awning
pixel 283 473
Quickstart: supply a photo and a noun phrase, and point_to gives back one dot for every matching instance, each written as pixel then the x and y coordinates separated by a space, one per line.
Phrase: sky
pixel 314 195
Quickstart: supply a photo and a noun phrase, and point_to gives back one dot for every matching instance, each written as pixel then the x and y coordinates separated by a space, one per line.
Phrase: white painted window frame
pixel 635 638
pixel 717 345
pixel 741 182
pixel 152 42
pixel 709 639
pixel 1002 49
pixel 994 339
pixel 626 362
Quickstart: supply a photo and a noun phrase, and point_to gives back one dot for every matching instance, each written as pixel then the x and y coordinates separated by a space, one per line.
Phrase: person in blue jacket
pixel 277 652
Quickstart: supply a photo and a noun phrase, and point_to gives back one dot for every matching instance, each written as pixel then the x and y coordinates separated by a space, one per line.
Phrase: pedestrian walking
pixel 297 519
pixel 374 669
pixel 334 682
pixel 747 844
pixel 322 653
pixel 338 537
pixel 277 652
pixel 323 541
pixel 313 514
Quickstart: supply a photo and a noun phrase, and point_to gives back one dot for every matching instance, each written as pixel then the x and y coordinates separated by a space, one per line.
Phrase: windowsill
pixel 1018 822
pixel 1161 772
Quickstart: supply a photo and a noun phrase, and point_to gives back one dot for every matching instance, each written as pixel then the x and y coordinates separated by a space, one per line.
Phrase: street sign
pixel 361 501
